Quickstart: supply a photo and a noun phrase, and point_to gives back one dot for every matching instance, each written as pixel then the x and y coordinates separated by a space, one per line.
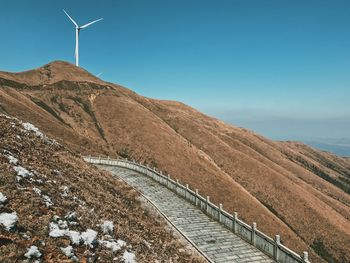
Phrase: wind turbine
pixel 77 30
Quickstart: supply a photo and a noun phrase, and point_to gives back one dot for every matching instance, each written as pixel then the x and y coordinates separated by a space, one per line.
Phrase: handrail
pixel 269 246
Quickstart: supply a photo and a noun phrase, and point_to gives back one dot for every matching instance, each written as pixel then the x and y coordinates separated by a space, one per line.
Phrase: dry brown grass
pixel 287 188
pixel 104 197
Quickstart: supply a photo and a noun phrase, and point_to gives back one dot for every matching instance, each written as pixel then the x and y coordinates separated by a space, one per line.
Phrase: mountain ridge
pixel 51 73
pixel 239 168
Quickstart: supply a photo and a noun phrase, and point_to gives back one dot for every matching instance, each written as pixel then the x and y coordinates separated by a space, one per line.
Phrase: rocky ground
pixel 56 208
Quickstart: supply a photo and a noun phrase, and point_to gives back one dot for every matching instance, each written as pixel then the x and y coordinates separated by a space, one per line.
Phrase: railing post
pixel 234 222
pixel 253 233
pixel 186 193
pixel 168 181
pixel 220 213
pixel 276 248
pixel 177 185
pixel 196 199
pixel 207 205
pixel 306 257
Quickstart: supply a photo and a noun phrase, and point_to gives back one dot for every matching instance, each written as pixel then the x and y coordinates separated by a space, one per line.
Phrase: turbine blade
pixel 88 24
pixel 71 19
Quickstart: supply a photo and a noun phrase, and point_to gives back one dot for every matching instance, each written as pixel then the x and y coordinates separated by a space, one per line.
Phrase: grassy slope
pixel 244 171
pixel 94 195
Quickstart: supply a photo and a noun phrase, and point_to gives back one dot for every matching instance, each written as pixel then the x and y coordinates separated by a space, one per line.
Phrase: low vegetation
pixel 56 208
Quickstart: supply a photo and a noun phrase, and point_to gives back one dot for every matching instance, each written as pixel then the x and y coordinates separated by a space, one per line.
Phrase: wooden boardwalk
pixel 215 241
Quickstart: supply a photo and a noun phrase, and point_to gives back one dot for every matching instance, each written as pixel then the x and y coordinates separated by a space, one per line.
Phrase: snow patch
pixel 74 236
pixel 30 127
pixel 12 159
pixel 47 201
pixel 62 224
pixel 81 202
pixel 6 116
pixel 147 244
pixel 55 231
pixel 107 227
pixel 71 216
pixel 8 220
pixel 56 172
pixel 39 181
pixel 37 191
pixel 89 237
pixel 22 172
pixel 112 244
pixel 25 236
pixel 129 257
pixel 67 251
pixel 3 199
pixel 65 192
pixel 33 251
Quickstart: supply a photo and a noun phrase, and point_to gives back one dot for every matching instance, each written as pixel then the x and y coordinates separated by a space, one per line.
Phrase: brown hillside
pixel 287 188
pixel 51 73
pixel 46 187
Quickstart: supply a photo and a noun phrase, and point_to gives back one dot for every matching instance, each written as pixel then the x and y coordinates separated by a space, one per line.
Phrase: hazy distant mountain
pixel 339 147
pixel 288 188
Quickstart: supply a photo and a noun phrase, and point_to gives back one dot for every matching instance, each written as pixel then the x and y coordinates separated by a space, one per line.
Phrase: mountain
pixel 339 147
pixel 288 188
pixel 56 208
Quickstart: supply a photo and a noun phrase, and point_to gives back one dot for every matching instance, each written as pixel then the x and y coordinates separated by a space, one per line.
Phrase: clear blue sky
pixel 281 68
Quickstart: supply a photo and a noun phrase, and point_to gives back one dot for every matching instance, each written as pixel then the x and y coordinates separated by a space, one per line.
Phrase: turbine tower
pixel 77 30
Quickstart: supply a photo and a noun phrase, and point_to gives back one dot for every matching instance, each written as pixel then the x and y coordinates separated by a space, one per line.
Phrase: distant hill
pixel 340 147
pixel 288 188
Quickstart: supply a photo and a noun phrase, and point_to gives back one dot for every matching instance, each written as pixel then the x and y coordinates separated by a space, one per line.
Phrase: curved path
pixel 214 240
